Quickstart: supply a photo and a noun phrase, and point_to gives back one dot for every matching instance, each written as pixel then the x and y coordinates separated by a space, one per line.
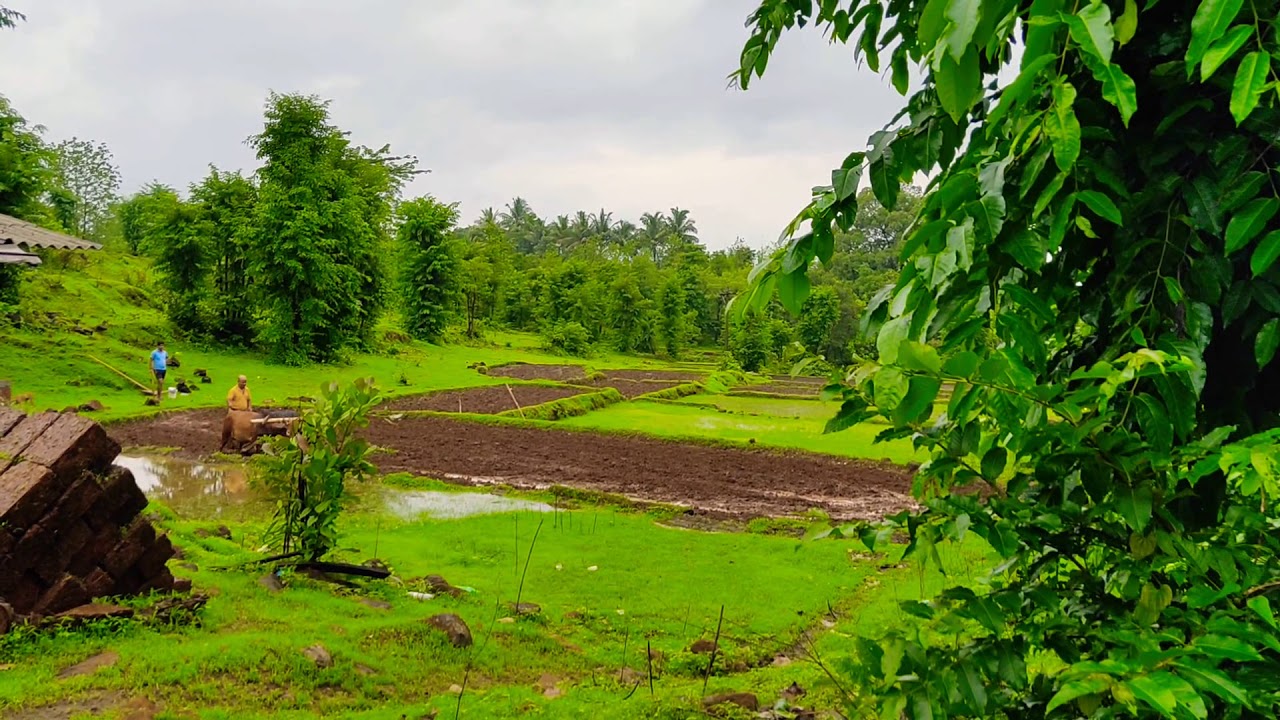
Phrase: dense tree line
pixel 309 254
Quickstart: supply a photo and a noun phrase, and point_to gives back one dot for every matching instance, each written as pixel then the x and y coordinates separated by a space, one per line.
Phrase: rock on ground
pixel 452 626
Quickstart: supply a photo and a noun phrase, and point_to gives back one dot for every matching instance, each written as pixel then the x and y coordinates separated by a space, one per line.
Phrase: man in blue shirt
pixel 159 364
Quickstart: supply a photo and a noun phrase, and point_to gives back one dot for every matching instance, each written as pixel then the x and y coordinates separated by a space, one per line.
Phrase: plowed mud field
pixel 721 481
pixel 525 371
pixel 484 400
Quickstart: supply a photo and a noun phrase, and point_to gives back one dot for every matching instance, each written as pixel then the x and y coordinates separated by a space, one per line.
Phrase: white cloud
pixel 572 104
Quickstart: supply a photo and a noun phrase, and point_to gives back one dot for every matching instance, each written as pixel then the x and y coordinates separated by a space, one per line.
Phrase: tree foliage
pixel 319 221
pixel 1093 268
pixel 88 182
pixel 428 280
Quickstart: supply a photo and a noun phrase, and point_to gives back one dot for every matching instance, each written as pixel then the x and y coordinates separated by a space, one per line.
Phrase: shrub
pixel 569 338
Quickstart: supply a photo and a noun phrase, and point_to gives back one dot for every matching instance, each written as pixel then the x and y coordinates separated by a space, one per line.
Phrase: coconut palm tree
pixel 654 232
pixel 681 225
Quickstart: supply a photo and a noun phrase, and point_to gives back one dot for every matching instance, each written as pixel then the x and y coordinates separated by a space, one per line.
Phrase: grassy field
pixel 54 362
pixel 610 582
pixel 688 420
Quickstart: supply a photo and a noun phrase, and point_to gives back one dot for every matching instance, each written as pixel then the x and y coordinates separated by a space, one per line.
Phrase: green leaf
pixel 963 15
pixel 1062 126
pixel 1249 221
pixel 918 356
pixel 1101 206
pixel 1119 90
pixel 1077 689
pixel 1262 607
pixel 917 406
pixel 1223 49
pixel 1250 82
pixel 851 413
pixel 1268 340
pixel 1152 602
pixel 1174 289
pixel 1142 546
pixel 993 463
pixel 1210 22
pixel 1017 91
pixel 889 388
pixel 959 239
pixel 1134 505
pixel 845 182
pixel 1028 249
pixel 1211 680
pixel 1159 691
pixel 1226 648
pixel 958 84
pixel 793 288
pixel 1266 254
pixel 1091 29
pixel 890 338
pixel 1041 39
pixel 901 77
pixel 1048 194
pixel 1127 24
pixel 973 688
pixel 961 365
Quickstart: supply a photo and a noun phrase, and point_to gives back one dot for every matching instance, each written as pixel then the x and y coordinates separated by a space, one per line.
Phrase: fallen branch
pixel 513 399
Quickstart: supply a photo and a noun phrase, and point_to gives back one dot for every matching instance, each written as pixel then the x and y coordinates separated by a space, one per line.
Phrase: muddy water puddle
pixel 414 504
pixel 209 490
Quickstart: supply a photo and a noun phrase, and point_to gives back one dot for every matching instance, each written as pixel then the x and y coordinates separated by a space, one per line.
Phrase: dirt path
pixel 724 481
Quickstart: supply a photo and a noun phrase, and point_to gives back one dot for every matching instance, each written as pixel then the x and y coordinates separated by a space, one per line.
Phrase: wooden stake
pixel 517 402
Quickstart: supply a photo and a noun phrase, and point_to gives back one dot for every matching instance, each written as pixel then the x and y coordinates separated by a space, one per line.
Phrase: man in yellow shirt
pixel 238 396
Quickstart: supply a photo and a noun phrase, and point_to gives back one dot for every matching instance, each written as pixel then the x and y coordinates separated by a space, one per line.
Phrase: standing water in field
pixel 414 504
pixel 208 490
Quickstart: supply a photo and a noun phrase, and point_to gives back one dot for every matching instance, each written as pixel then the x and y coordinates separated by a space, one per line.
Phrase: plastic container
pixel 173 393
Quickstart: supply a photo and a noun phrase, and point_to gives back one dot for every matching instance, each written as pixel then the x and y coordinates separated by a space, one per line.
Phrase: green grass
pixel 568 407
pixel 674 420
pixel 50 360
pixel 243 660
pixel 798 408
pixel 651 583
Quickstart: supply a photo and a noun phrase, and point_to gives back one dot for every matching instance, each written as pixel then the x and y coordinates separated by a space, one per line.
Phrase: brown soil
pixel 723 481
pixel 195 433
pixel 798 380
pixel 528 371
pixel 484 400
pixel 632 388
pixel 667 375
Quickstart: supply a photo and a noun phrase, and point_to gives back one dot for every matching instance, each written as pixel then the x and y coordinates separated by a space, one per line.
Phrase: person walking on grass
pixel 159 366
pixel 238 396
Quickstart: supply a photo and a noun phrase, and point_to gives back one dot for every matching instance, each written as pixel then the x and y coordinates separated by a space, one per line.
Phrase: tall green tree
pixel 818 316
pixel 87 174
pixel 1110 217
pixel 429 266
pixel 227 201
pixel 317 247
pixel 141 215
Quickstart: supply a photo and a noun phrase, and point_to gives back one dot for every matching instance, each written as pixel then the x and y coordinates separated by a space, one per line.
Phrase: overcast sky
pixel 571 104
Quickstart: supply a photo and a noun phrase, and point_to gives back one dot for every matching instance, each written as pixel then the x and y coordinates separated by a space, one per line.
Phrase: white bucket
pixel 173 393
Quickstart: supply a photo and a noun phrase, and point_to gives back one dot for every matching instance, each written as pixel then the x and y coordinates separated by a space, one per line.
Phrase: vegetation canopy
pixel 1093 267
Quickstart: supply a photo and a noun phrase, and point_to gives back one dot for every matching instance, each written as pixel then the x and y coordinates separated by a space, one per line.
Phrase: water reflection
pixel 207 490
pixel 184 485
pixel 414 504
